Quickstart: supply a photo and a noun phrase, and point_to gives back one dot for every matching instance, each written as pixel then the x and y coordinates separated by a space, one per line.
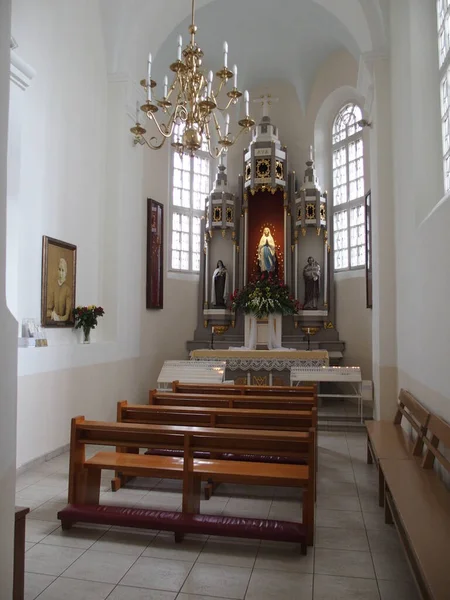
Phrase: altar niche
pixel 265 211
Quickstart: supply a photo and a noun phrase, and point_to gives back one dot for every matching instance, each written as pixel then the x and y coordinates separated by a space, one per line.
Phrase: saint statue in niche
pixel 311 275
pixel 266 252
pixel 219 293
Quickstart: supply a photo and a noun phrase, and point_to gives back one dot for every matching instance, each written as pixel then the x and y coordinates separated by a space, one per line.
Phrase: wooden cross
pixel 266 101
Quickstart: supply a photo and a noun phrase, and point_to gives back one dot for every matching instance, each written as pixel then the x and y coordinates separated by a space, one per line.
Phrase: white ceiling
pixel 267 40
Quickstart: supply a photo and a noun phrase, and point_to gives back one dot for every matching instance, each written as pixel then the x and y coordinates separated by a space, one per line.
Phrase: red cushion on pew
pixel 171 452
pixel 184 523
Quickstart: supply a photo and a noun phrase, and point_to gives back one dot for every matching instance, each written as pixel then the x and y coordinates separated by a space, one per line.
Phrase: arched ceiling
pixel 287 39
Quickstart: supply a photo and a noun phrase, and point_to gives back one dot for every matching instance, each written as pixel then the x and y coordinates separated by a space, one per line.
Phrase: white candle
pixel 180 44
pixel 227 124
pixel 210 80
pixel 166 83
pixel 137 112
pixel 225 55
pixel 149 78
pixel 235 76
pixel 247 100
pixel 308 330
pixel 311 153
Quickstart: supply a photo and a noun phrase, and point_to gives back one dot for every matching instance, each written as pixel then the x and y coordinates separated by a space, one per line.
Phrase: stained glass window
pixel 443 25
pixel 190 186
pixel 348 189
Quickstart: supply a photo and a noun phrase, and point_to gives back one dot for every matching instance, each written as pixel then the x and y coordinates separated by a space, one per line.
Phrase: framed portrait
pixel 368 208
pixel 155 254
pixel 59 266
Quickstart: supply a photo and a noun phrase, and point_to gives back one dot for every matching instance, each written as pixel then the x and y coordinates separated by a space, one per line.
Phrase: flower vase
pixel 86 335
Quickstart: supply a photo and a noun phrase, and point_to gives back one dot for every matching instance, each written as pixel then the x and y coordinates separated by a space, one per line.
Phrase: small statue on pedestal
pixel 311 275
pixel 219 292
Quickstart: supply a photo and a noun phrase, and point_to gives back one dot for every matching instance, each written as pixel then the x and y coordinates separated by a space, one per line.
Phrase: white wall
pixel 423 243
pixel 8 326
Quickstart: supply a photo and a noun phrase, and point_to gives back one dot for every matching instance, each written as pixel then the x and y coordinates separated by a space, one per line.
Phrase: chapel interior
pixel 323 178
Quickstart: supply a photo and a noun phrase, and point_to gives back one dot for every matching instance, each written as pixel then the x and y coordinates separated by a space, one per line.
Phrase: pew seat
pixel 181 523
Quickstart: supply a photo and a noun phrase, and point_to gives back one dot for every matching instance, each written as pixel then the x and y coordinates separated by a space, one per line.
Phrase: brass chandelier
pixel 192 102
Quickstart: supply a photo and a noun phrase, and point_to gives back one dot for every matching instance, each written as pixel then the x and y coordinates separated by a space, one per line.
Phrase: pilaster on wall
pixel 384 339
pixel 8 325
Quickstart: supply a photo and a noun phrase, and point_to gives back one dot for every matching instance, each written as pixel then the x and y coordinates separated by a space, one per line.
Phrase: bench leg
pixel 93 479
pixel 210 488
pixel 380 487
pixel 308 513
pixel 369 453
pixel 388 513
pixel 191 496
pixel 179 537
pixel 66 525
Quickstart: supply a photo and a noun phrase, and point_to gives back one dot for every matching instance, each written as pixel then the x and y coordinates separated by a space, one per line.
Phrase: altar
pixel 262 367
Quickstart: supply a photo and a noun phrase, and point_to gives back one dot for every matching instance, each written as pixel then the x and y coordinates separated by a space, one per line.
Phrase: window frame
pixel 348 205
pixel 189 212
pixel 444 72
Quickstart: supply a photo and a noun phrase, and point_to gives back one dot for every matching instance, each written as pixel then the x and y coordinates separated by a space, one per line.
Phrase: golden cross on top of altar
pixel 266 101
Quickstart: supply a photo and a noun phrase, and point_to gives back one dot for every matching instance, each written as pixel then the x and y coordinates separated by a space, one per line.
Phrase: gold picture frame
pixel 58 283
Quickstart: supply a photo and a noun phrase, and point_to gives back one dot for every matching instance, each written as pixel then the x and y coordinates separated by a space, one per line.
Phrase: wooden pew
pixel 387 439
pixel 253 390
pixel 232 401
pixel 418 502
pixel 85 474
pixel 214 417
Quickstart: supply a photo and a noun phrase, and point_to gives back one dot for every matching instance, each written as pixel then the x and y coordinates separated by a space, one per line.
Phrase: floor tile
pixel 124 542
pixel 164 546
pixel 369 502
pixel 344 588
pixel 122 592
pixel 345 563
pixel 341 488
pixel 338 502
pixel 72 589
pixel 28 546
pixel 36 530
pixel 284 557
pixel 50 560
pixel 47 511
pixel 384 540
pixel 343 519
pixel 398 590
pixel 157 574
pixel 35 584
pixel 105 567
pixel 227 582
pixel 196 597
pixel 232 554
pixel 278 585
pixel 244 507
pixel 286 510
pixel 392 566
pixel 376 521
pixel 335 538
pixel 78 537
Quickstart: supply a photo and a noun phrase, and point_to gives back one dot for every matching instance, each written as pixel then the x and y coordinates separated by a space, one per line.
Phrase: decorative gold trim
pixel 205 305
pixel 220 329
pixel 303 231
pixel 328 325
pixel 318 230
pixel 205 323
pixel 296 324
pixel 325 304
pixel 224 231
pixel 233 324
pixel 312 330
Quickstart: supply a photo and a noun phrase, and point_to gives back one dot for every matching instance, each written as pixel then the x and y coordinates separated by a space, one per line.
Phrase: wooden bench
pixel 253 390
pixel 85 474
pixel 417 501
pixel 389 440
pixel 233 401
pixel 215 417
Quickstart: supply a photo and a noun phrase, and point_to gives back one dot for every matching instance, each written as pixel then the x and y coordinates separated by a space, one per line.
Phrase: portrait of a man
pixel 58 283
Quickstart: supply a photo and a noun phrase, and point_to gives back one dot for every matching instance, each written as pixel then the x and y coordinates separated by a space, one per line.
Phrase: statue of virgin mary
pixel 266 251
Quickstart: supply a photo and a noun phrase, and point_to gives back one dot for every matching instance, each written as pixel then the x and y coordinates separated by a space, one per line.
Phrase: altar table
pixel 248 361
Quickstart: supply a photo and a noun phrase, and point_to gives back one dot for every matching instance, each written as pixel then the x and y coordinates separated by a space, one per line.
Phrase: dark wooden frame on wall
pixel 155 254
pixel 49 280
pixel 368 227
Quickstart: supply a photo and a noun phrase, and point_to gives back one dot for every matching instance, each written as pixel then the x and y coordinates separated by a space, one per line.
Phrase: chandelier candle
pixel 190 105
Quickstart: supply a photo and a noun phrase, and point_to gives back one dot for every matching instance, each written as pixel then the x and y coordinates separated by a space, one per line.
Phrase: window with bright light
pixel 191 178
pixel 443 24
pixel 348 190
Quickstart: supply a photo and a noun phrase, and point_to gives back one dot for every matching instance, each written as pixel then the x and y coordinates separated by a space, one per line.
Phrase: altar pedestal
pixel 264 333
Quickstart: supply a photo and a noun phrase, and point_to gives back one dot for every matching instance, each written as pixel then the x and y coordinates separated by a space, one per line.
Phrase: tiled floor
pixel 355 557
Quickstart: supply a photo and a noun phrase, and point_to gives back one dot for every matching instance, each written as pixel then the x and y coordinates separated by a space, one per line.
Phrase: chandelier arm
pixel 225 107
pixel 164 130
pixel 216 123
pixel 153 146
pixel 214 153
pixel 243 130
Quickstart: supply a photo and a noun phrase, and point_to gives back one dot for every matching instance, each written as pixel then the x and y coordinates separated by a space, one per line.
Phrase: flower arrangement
pixel 266 295
pixel 86 318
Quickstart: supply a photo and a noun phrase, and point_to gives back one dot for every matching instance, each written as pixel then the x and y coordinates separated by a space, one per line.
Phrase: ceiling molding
pixel 21 73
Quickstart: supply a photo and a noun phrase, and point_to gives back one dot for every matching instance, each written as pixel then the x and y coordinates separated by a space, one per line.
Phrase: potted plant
pixel 264 296
pixel 86 319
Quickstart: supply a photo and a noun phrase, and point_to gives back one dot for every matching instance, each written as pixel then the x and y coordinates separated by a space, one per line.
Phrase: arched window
pixel 348 189
pixel 191 176
pixel 443 18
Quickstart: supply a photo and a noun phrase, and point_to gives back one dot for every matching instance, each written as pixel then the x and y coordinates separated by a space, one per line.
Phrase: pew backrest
pixel 437 438
pixel 417 416
pixel 217 388
pixel 217 417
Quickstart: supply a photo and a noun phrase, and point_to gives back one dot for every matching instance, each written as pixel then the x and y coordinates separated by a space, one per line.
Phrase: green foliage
pixel 265 296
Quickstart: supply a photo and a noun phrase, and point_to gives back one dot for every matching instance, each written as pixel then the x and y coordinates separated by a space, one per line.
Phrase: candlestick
pixel 227 124
pixel 149 78
pixel 137 113
pixel 247 100
pixel 180 45
pixel 210 80
pixel 235 76
pixel 311 153
pixel 166 83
